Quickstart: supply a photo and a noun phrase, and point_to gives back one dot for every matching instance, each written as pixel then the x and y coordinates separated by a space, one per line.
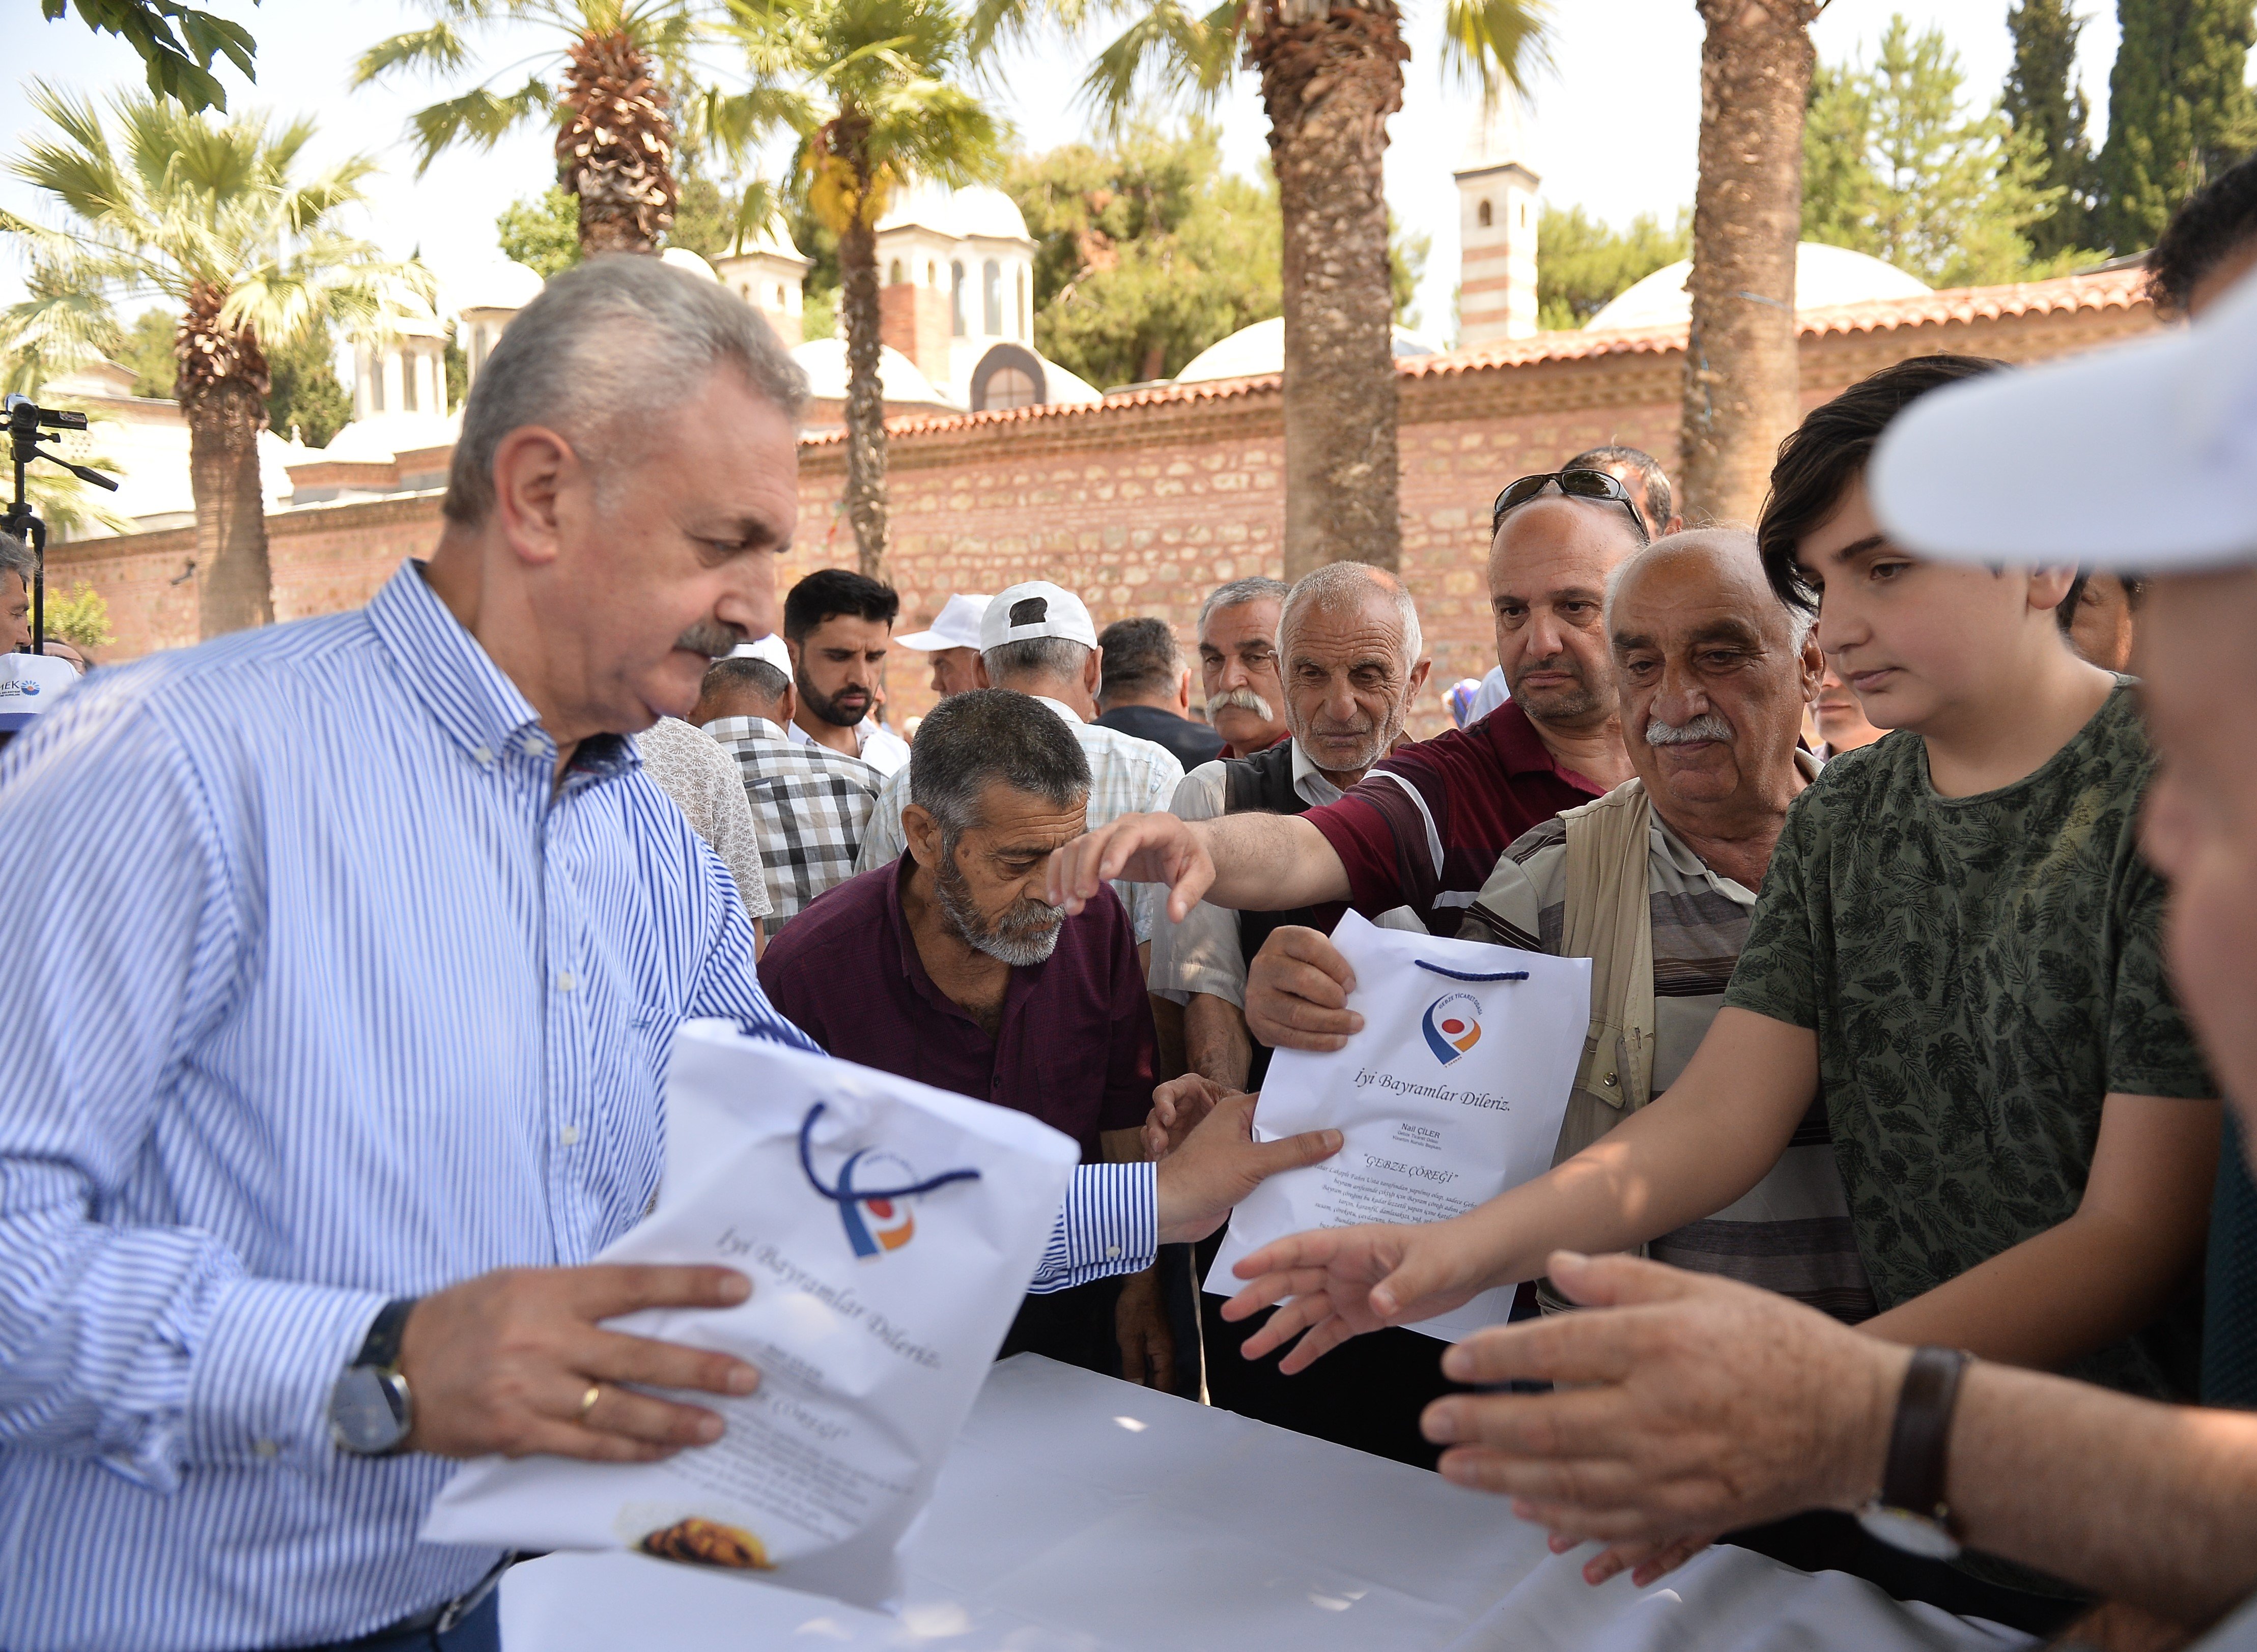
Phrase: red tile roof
pixel 2123 289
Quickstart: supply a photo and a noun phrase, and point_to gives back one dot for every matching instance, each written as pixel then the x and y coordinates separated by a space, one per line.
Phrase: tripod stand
pixel 23 422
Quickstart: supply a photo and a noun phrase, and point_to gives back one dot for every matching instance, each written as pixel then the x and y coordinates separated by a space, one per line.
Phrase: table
pixel 1081 1514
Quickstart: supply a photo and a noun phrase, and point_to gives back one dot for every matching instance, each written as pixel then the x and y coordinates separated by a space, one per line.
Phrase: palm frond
pixel 1194 56
pixel 479 117
pixel 440 49
pixel 1486 41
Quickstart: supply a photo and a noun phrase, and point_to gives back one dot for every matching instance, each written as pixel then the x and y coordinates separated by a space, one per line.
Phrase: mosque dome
pixel 684 258
pixel 1823 276
pixel 503 284
pixel 957 213
pixel 824 361
pixel 1253 351
pixel 375 439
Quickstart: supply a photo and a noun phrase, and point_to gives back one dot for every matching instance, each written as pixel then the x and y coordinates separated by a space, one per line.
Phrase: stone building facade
pixel 1146 500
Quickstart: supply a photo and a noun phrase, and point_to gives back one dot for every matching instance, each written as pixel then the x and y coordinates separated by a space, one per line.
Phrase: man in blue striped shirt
pixel 342 961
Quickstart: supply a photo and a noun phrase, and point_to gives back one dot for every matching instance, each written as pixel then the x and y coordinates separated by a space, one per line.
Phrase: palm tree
pixel 615 133
pixel 1743 381
pixel 868 86
pixel 1331 73
pixel 210 216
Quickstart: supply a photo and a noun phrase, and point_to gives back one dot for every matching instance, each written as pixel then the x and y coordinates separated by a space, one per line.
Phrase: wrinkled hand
pixel 1338 1283
pixel 1177 1108
pixel 1148 1341
pixel 1141 848
pixel 1646 1562
pixel 500 1364
pixel 1689 1405
pixel 1219 1163
pixel 1296 989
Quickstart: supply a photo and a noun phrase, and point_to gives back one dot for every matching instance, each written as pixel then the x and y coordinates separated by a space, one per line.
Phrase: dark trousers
pixel 479 1632
pixel 1825 1540
pixel 1074 1326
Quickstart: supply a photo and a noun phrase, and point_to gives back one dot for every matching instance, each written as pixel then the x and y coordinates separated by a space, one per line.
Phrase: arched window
pixel 780 296
pixel 1019 309
pixel 991 299
pixel 956 323
pixel 931 273
pixel 408 366
pixel 1009 387
pixel 1481 214
pixel 1523 215
pixel 375 382
pixel 894 273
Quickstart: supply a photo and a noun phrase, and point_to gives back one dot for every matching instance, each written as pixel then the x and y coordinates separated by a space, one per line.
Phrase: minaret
pixel 1496 229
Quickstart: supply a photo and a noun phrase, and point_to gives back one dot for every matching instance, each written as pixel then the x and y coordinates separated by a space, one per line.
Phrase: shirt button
pixel 485 756
pixel 1112 1252
pixel 267 1449
pixel 568 1134
pixel 565 983
pixel 532 746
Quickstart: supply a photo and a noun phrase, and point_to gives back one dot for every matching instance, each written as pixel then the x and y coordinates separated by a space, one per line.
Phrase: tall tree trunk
pixel 222 390
pixel 1741 381
pixel 615 150
pixel 865 400
pixel 1331 75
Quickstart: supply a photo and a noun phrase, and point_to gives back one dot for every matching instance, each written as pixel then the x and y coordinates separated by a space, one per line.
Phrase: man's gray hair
pixel 1799 621
pixel 1336 584
pixel 603 357
pixel 1050 658
pixel 15 558
pixel 973 740
pixel 1255 588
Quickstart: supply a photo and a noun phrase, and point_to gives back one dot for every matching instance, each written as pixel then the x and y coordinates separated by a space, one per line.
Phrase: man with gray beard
pixel 948 966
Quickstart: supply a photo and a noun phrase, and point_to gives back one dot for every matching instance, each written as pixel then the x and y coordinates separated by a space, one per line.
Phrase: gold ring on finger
pixel 588 1400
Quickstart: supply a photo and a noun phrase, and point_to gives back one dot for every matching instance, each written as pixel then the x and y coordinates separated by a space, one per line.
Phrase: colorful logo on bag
pixel 878 1225
pixel 1451 1025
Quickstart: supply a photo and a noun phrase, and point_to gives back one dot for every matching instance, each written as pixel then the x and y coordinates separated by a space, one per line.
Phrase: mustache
pixel 709 638
pixel 1244 700
pixel 1706 726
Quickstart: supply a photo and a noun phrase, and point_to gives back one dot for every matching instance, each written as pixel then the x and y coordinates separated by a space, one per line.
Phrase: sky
pixel 1612 125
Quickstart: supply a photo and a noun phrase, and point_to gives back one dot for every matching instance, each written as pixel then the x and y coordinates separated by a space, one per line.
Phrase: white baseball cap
pixel 2139 459
pixel 770 648
pixel 957 626
pixel 1035 609
pixel 29 685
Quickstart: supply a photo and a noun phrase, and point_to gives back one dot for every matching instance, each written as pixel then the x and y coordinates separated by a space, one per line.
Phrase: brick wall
pixel 1145 503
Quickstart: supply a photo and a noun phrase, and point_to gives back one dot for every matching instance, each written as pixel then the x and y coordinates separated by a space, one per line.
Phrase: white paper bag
pixel 891 1231
pixel 1453 1092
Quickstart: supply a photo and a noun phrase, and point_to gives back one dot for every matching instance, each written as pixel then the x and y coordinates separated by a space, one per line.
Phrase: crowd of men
pixel 1864 828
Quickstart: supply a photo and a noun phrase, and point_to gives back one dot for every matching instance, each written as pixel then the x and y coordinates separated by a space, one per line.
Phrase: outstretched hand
pixel 1178 1107
pixel 1339 1282
pixel 1221 1162
pixel 1141 848
pixel 1296 989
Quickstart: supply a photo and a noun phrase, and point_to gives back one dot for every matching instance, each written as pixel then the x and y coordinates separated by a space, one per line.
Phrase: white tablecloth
pixel 1081 1514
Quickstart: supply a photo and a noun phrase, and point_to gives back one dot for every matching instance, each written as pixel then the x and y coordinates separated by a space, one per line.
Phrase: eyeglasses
pixel 1575 484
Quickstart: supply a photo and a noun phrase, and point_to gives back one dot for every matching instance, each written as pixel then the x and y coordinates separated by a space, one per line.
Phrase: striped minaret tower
pixel 1497 230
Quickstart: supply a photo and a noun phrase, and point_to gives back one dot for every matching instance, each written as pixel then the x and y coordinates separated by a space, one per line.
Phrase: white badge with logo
pixel 30 684
pixel 1453 1092
pixel 891 1231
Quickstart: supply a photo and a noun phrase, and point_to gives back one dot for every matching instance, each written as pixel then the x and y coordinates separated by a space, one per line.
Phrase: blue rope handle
pixel 847 1192
pixel 1463 975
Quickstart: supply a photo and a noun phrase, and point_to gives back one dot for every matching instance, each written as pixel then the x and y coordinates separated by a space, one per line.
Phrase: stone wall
pixel 1145 502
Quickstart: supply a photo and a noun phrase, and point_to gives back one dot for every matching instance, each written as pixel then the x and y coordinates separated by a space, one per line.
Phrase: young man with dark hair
pixel 837 624
pixel 1956 947
pixel 1145 690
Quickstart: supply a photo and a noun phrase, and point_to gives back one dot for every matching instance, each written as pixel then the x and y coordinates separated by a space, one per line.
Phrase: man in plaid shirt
pixel 811 804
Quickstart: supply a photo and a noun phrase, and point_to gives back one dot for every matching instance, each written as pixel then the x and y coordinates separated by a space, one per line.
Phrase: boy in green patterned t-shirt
pixel 1956 946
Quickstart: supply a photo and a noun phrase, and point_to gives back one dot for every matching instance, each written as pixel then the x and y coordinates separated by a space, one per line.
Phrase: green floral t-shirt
pixel 1981 971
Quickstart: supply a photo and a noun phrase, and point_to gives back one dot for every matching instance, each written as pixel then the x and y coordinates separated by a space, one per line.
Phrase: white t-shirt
pixel 881 748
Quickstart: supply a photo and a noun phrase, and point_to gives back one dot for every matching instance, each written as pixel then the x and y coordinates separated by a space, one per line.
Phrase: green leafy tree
pixel 177 43
pixel 612 108
pixel 1330 74
pixel 304 393
pixel 2180 111
pixel 1895 165
pixel 220 221
pixel 1407 252
pixel 148 349
pixel 1581 264
pixel 541 231
pixel 2045 106
pixel 875 89
pixel 79 616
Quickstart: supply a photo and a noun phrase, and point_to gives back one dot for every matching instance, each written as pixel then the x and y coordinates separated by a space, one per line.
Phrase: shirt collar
pixel 798 736
pixel 468 695
pixel 911 961
pixel 1523 749
pixel 1309 780
pixel 1072 717
pixel 742 729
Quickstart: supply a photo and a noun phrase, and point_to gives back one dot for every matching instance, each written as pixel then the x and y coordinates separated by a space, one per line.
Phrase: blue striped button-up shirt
pixel 315 991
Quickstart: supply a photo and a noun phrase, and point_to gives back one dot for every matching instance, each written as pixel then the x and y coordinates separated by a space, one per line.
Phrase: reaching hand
pixel 505 1363
pixel 1142 849
pixel 1177 1108
pixel 1338 1283
pixel 1146 1338
pixel 1219 1163
pixel 1296 989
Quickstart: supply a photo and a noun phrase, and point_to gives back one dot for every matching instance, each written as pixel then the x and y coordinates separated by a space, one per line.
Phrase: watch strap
pixel 1919 1442
pixel 380 1349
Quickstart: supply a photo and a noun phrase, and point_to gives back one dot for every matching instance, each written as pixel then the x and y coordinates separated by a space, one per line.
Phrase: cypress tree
pixel 2179 112
pixel 2049 115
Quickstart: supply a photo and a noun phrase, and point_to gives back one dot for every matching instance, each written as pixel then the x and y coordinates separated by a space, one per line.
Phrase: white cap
pixel 2137 459
pixel 29 685
pixel 956 626
pixel 1035 609
pixel 770 648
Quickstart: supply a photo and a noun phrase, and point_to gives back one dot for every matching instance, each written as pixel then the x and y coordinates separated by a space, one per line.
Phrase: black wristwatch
pixel 371 1411
pixel 1911 1513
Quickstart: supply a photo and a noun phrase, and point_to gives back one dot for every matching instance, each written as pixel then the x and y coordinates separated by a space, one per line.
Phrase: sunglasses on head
pixel 1575 484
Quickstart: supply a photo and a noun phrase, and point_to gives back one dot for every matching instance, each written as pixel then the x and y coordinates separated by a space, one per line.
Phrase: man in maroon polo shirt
pixel 947 966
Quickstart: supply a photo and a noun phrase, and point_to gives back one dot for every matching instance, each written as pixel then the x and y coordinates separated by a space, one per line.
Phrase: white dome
pixel 684 258
pixel 375 439
pixel 923 207
pixel 1823 275
pixel 824 361
pixel 1063 387
pixel 1252 351
pixel 983 211
pixel 503 284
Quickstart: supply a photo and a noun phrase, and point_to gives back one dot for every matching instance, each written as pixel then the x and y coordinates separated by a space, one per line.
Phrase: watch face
pixel 1915 1534
pixel 364 1414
